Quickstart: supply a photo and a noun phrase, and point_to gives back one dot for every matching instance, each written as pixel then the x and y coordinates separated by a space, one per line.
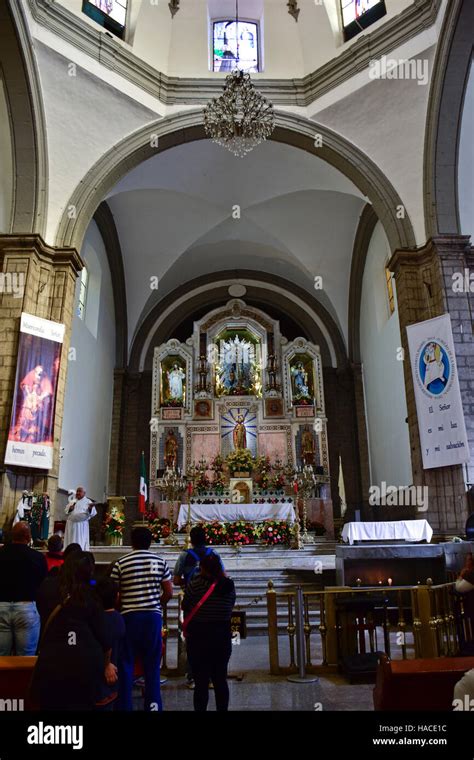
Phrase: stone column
pixel 424 290
pixel 40 280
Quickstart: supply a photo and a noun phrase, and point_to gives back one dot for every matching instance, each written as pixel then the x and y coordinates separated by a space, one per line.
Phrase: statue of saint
pixel 175 382
pixel 307 446
pixel 171 450
pixel 300 380
pixel 239 434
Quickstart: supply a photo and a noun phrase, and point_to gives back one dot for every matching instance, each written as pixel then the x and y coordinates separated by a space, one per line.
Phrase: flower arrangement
pixel 114 523
pixel 158 526
pixel 242 533
pixel 218 482
pixel 173 402
pixel 278 481
pixel 216 533
pixel 240 460
pixel 274 532
pixel 201 480
pixel 263 471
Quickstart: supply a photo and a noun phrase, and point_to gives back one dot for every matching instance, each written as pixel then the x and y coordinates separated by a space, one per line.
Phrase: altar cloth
pixel 233 512
pixel 399 530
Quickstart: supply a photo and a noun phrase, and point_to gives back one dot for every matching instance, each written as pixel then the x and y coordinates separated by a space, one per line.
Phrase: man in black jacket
pixel 21 571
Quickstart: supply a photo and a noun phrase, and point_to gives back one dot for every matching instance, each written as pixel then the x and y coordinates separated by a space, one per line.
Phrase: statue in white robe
pixel 78 514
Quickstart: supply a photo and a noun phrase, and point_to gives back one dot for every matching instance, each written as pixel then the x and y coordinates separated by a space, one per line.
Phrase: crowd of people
pixel 90 630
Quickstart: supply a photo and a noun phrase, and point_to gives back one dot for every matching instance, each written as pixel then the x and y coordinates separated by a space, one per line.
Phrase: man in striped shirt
pixel 145 586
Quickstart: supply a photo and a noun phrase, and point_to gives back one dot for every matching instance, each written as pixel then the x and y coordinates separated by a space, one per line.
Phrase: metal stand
pixel 300 643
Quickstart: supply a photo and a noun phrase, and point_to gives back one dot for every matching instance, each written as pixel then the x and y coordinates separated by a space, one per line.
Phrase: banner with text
pixel 30 440
pixel 438 398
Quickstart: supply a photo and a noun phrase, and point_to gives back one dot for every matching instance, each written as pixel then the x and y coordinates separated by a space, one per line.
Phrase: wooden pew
pixel 15 677
pixel 417 685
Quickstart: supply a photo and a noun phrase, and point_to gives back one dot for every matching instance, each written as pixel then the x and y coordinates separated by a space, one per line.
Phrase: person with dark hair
pixel 145 586
pixel 48 596
pixel 22 570
pixel 107 591
pixel 208 602
pixel 75 647
pixel 185 568
pixel 54 555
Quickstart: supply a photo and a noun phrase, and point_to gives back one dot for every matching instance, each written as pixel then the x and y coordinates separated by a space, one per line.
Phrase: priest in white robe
pixel 78 514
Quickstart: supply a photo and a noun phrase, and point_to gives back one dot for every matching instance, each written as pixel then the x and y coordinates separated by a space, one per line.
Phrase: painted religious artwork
pixel 30 440
pixel 434 368
pixel 173 381
pixel 302 380
pixel 171 450
pixel 238 431
pixel 273 407
pixel 203 409
pixel 308 447
pixel 238 366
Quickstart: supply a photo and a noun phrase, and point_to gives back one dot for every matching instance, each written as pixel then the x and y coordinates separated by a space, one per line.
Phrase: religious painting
pixel 203 409
pixel 238 431
pixel 302 380
pixel 173 381
pixel 31 435
pixel 238 363
pixel 273 407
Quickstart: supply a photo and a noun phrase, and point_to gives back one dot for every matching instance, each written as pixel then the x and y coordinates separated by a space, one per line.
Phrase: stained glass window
pixel 359 14
pixel 81 307
pixel 390 293
pixel 111 14
pixel 234 41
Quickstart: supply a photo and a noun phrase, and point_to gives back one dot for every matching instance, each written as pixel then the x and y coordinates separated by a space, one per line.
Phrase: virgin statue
pixel 175 382
pixel 239 434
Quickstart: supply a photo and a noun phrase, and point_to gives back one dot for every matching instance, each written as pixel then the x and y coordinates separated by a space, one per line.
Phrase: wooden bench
pixel 417 685
pixel 15 677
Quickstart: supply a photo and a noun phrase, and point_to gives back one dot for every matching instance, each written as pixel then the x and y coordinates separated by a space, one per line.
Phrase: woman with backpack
pixel 208 602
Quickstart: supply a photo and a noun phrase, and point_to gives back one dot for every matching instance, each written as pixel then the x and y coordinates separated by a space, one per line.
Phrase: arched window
pixel 111 14
pixel 390 291
pixel 357 15
pixel 232 41
pixel 81 306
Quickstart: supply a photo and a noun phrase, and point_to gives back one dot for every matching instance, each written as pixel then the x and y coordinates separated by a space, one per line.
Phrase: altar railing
pixel 408 623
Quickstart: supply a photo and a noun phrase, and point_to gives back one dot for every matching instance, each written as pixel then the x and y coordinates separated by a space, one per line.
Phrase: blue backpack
pixel 190 569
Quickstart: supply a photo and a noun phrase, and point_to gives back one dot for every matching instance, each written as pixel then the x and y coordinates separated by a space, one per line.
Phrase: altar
pixel 225 513
pixel 238 411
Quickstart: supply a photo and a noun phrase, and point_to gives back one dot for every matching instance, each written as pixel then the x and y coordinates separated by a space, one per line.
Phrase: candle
pixel 389 581
pixel 190 488
pixel 295 486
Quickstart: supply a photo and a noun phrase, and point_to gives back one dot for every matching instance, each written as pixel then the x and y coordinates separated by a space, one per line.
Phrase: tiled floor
pixel 259 691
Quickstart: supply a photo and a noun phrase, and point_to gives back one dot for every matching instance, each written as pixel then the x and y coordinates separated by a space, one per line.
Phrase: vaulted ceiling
pixel 196 209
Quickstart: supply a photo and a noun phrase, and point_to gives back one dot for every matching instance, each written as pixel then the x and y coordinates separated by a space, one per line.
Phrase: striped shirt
pixel 217 608
pixel 140 575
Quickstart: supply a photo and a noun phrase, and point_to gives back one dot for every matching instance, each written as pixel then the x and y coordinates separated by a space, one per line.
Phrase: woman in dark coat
pixel 208 632
pixel 74 650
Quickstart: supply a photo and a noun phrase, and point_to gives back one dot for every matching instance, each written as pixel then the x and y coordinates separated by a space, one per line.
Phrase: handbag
pixel 196 608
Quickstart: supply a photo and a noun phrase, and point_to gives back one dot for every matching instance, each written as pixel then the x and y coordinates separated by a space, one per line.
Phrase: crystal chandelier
pixel 241 117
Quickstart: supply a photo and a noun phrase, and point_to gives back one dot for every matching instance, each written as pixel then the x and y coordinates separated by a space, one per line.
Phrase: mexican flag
pixel 143 495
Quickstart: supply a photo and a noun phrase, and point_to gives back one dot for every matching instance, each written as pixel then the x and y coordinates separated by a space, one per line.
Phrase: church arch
pixel 23 93
pixel 444 119
pixel 291 130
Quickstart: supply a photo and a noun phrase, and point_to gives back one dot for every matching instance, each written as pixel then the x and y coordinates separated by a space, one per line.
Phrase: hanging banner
pixel 30 440
pixel 437 395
